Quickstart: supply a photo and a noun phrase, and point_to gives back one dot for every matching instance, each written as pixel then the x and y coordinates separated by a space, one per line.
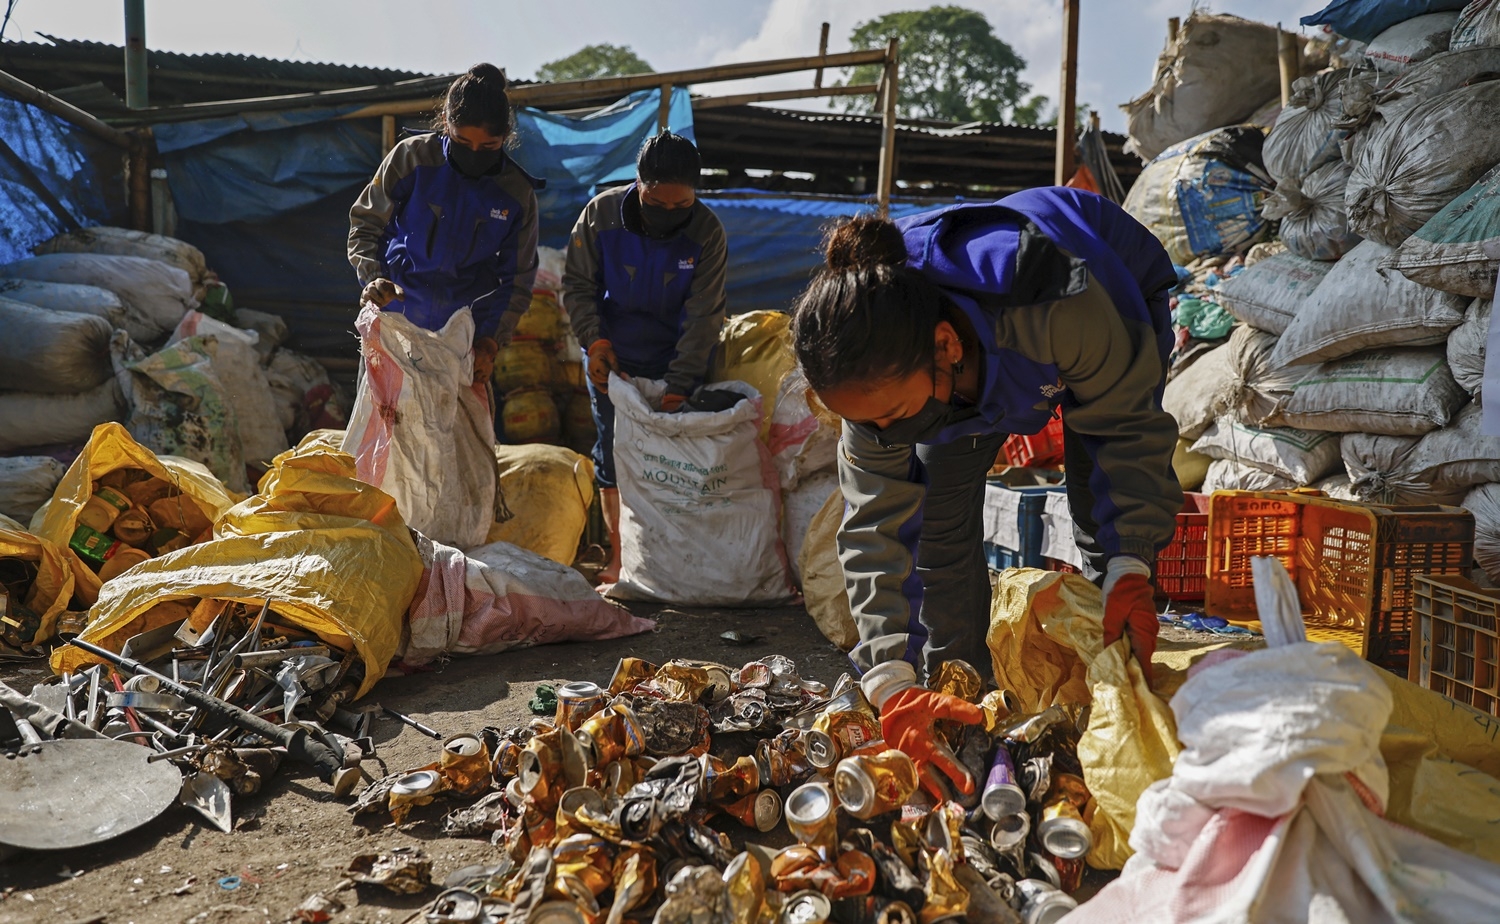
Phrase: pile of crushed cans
pixel 612 807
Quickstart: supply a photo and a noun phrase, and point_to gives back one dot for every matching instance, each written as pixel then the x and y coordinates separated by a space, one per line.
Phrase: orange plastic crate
pixel 1038 450
pixel 1457 641
pixel 1353 564
pixel 1182 567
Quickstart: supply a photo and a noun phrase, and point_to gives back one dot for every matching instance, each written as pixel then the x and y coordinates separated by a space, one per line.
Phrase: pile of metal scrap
pixel 629 801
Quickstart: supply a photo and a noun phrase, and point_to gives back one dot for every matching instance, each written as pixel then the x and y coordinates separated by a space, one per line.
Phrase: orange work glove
pixel 485 349
pixel 907 715
pixel 672 402
pixel 601 362
pixel 381 292
pixel 1130 609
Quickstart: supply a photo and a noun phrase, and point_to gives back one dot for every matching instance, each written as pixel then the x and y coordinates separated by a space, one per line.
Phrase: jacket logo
pixel 685 264
pixel 500 214
pixel 1052 391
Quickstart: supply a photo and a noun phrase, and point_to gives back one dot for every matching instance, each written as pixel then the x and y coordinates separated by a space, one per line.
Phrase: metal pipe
pixel 135 54
pixel 720 102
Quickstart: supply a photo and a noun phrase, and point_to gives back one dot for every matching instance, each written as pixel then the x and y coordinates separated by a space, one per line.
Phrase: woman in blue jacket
pixel 937 337
pixel 450 221
pixel 644 290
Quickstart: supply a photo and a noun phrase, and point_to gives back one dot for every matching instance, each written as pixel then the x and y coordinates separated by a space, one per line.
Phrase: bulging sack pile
pixel 1201 196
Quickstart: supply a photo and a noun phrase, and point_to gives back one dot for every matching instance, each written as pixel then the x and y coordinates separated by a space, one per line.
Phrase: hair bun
pixel 488 73
pixel 864 243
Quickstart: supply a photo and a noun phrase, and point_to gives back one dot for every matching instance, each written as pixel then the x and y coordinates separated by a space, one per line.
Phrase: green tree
pixel 1041 112
pixel 594 61
pixel 953 66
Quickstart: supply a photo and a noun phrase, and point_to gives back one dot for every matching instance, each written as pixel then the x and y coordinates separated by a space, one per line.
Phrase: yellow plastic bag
pixel 110 448
pixel 756 348
pixel 331 553
pixel 1046 641
pixel 53 587
pixel 549 490
pixel 823 576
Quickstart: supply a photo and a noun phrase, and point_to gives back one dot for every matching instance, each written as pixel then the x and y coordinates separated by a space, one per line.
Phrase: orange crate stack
pixel 1038 450
pixel 1353 564
pixel 1456 640
pixel 1182 567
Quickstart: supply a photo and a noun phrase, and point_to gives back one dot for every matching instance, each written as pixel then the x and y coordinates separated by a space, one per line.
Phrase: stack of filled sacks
pixel 1359 363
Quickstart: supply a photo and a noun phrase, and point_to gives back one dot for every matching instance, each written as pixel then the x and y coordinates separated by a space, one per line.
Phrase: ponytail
pixel 866 317
pixel 477 98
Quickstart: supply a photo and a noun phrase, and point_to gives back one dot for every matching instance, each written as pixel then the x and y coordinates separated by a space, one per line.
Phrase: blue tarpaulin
pixel 54 177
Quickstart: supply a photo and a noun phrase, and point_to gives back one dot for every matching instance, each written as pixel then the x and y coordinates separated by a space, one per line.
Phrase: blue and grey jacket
pixel 659 302
pixel 1068 295
pixel 450 240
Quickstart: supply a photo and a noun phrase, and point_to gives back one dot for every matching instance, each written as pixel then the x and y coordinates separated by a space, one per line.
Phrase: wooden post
pixel 1290 55
pixel 664 111
pixel 138 170
pixel 822 50
pixel 1067 132
pixel 1173 25
pixel 888 82
pixel 387 134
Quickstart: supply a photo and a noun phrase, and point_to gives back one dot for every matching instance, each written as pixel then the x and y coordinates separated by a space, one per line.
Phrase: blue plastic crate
pixel 1029 522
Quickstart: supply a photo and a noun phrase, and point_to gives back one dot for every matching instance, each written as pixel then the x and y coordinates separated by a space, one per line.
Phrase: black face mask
pixel 470 162
pixel 665 222
pixel 919 427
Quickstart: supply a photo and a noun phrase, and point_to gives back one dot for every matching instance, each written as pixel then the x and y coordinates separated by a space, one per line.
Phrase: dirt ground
pixel 295 839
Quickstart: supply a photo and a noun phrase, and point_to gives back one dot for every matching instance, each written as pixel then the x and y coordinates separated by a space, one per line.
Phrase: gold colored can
pixel 998 705
pixel 634 879
pixel 465 764
pixel 730 782
pixel 874 784
pixel 745 888
pixel 1062 830
pixel 577 701
pixel 507 759
pixel 957 678
pixel 811 817
pixel 628 673
pixel 681 682
pixel 540 767
pixel 586 857
pixel 947 900
pixel 610 734
pixel 835 735
pixel 759 810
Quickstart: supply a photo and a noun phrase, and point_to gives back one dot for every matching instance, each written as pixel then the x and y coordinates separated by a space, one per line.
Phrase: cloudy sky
pixel 1119 39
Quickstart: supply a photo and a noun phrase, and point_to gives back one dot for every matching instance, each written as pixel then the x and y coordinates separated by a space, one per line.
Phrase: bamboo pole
pixel 664 109
pixel 387 134
pixel 721 102
pixel 889 83
pixel 1067 104
pixel 41 99
pixel 1289 56
pixel 822 50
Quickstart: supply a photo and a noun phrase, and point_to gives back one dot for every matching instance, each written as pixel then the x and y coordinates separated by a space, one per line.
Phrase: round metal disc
pixel 75 792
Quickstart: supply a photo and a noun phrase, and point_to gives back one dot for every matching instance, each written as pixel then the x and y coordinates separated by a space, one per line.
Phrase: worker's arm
pixel 703 312
pixel 583 276
pixel 497 312
pixel 877 544
pixel 371 214
pixel 1113 371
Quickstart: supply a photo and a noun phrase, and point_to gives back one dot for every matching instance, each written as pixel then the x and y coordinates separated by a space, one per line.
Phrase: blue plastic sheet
pixel 55 177
pixel 1363 20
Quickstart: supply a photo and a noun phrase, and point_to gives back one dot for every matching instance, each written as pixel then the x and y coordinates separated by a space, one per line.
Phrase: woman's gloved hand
pixel 671 402
pixel 907 714
pixel 381 292
pixel 485 349
pixel 1130 609
pixel 602 362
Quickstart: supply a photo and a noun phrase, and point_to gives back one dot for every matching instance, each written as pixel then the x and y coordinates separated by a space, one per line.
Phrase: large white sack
pixel 1370 107
pixel 1457 456
pixel 419 431
pixel 1202 393
pixel 26 483
pixel 28 419
pixel 124 242
pixel 1269 294
pixel 801 445
pixel 798 507
pixel 1229 475
pixel 257 415
pixel 1305 135
pixel 699 502
pixel 1299 456
pixel 1336 486
pixel 1260 386
pixel 1202 197
pixel 51 352
pixel 1400 392
pixel 1380 471
pixel 1358 308
pixel 1422 161
pixel 1314 222
pixel 1484 503
pixel 1458 249
pixel 501 597
pixel 1466 346
pixel 62 296
pixel 1399 48
pixel 270 328
pixel 299 382
pixel 155 294
pixel 1217 72
pixel 1478 26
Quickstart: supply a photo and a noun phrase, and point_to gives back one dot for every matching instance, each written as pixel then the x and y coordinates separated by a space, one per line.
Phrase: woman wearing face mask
pixel 450 222
pixel 644 289
pixel 934 339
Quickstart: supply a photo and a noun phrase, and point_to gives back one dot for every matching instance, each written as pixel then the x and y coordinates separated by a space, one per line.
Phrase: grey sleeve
pixel 1113 372
pixel 581 278
pixel 704 315
pixel 372 212
pixel 526 266
pixel 877 543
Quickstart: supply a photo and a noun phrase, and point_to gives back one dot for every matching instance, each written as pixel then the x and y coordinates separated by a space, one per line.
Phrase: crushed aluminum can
pixel 576 701
pixel 806 907
pixel 897 912
pixel 630 673
pixel 730 782
pixel 812 819
pixel 1002 794
pixel 672 728
pixel 404 870
pixel 557 911
pixel 957 678
pixel 1009 833
pixel 455 906
pixel 694 893
pixel 681 682
pixel 947 900
pixel 634 879
pixel 1062 830
pixel 1042 903
pixel 465 764
pixel 745 888
pixel 492 813
pixel 540 766
pixel 897 880
pixel 998 706
pixel 874 784
pixel 759 810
